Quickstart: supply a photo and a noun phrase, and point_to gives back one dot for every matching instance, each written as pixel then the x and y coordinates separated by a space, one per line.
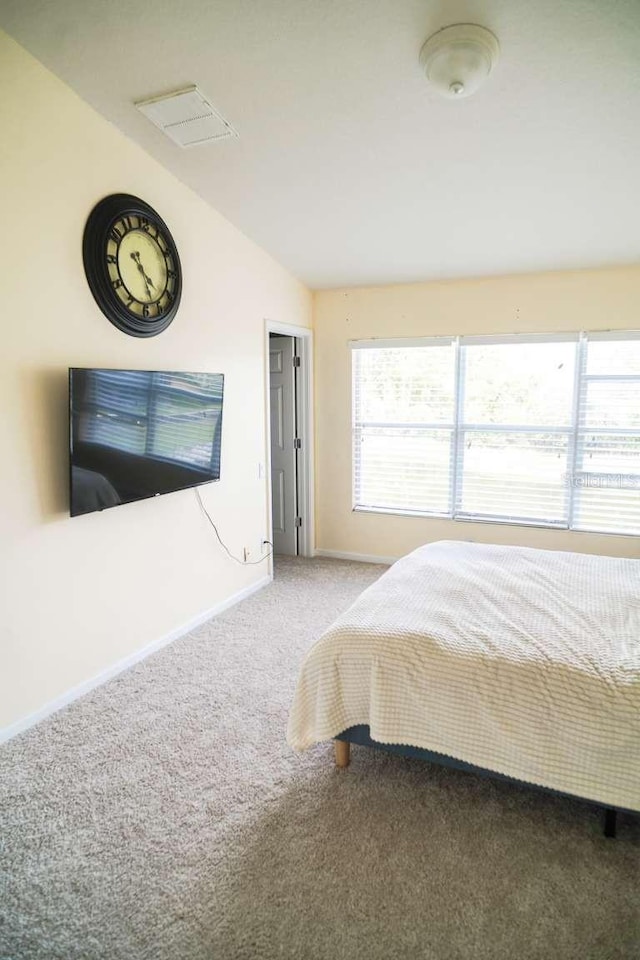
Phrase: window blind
pixel 403 402
pixel 542 430
pixel 606 475
pixel 515 430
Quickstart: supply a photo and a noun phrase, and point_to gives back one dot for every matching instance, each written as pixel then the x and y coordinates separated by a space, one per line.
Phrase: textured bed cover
pixel 522 661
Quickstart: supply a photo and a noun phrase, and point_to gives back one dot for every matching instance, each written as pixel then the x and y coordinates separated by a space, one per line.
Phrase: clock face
pixel 132 265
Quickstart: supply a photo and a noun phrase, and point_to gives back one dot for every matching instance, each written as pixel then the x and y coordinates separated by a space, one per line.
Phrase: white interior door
pixel 284 494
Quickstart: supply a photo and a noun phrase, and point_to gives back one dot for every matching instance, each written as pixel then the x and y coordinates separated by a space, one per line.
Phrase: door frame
pixel 304 416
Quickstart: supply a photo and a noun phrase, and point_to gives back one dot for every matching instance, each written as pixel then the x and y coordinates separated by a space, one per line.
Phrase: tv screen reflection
pixel 137 434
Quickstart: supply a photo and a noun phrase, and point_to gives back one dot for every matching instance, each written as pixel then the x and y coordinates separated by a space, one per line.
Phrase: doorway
pixel 290 432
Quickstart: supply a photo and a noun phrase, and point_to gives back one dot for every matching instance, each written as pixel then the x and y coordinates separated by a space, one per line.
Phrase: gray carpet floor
pixel 163 816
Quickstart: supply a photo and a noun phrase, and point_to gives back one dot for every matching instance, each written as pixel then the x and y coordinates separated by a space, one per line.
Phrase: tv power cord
pixel 243 563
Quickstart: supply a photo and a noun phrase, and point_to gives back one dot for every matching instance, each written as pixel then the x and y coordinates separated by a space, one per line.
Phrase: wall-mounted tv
pixel 139 433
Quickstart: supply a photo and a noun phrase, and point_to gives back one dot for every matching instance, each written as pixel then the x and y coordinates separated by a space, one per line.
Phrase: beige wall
pixel 77 595
pixel 544 302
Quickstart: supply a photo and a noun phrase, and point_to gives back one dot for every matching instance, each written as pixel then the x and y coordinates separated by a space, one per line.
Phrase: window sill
pixel 499 521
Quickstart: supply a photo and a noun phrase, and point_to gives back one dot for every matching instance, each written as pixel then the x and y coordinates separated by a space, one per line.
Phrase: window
pixel 541 430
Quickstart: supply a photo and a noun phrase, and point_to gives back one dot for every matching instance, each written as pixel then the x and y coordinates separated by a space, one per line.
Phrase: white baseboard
pixel 6 733
pixel 361 557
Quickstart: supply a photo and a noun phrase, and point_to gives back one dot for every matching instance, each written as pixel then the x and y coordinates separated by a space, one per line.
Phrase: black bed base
pixel 361 736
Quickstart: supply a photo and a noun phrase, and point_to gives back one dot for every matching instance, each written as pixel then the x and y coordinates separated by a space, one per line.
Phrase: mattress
pixel 525 662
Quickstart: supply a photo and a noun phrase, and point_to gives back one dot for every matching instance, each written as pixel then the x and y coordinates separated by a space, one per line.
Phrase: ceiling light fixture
pixel 458 59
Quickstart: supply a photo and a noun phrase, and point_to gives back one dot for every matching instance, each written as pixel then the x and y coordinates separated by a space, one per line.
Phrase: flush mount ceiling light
pixel 458 59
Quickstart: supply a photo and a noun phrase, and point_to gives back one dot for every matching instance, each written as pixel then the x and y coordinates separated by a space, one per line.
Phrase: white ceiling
pixel 348 169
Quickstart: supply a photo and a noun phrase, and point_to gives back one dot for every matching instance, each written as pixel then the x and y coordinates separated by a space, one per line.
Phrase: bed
pixel 509 661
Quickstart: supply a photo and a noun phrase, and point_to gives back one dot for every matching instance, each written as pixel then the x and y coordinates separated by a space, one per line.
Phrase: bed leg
pixel 343 752
pixel 610 823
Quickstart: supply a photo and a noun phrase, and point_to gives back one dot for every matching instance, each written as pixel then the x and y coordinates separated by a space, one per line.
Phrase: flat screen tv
pixel 139 433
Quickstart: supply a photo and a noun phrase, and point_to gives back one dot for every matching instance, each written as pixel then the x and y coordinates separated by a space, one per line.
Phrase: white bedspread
pixel 525 662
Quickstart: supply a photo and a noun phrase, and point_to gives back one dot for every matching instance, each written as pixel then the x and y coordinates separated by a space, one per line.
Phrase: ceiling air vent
pixel 186 117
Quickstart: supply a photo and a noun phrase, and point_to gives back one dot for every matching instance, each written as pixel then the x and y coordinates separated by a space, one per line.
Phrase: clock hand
pixel 148 281
pixel 135 256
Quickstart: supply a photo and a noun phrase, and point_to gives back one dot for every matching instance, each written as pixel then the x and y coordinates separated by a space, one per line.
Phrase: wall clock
pixel 132 265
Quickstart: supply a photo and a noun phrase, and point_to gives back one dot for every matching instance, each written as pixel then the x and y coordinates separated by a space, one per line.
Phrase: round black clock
pixel 132 265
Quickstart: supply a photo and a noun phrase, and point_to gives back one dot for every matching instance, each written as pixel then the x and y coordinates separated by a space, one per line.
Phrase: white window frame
pixel 460 428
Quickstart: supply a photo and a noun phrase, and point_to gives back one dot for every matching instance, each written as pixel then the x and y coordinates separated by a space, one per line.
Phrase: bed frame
pixel 360 735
